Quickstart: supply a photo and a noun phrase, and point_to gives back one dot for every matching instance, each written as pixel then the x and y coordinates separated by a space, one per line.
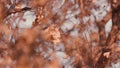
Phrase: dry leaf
pixel 107 54
pixel 52 34
pixel 94 1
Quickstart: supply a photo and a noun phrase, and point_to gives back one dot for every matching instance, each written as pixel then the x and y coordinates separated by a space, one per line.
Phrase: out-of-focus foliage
pixel 59 33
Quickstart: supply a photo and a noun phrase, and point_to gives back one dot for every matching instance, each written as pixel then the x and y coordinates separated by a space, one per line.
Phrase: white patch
pixel 69 16
pixel 100 12
pixel 72 14
pixel 68 25
pixel 76 6
pixel 73 1
pixel 69 12
pixel 92 18
pixel 30 17
pixel 117 65
pixel 108 26
pixel 60 55
pixel 74 33
pixel 64 59
pixel 74 20
pixel 85 19
pixel 57 4
pixel 60 47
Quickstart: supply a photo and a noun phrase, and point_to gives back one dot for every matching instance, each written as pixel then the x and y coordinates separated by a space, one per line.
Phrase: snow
pixel 100 12
pixel 85 19
pixel 60 47
pixel 68 25
pixel 108 26
pixel 117 65
pixel 73 1
pixel 70 22
pixel 57 4
pixel 72 14
pixel 74 33
pixel 66 62
pixel 30 17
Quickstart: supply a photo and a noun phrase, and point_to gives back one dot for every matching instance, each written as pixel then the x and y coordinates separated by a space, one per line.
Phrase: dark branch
pixel 103 61
pixel 13 11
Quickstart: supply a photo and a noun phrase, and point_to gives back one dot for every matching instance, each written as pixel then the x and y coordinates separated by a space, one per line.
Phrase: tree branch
pixel 103 61
pixel 13 11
